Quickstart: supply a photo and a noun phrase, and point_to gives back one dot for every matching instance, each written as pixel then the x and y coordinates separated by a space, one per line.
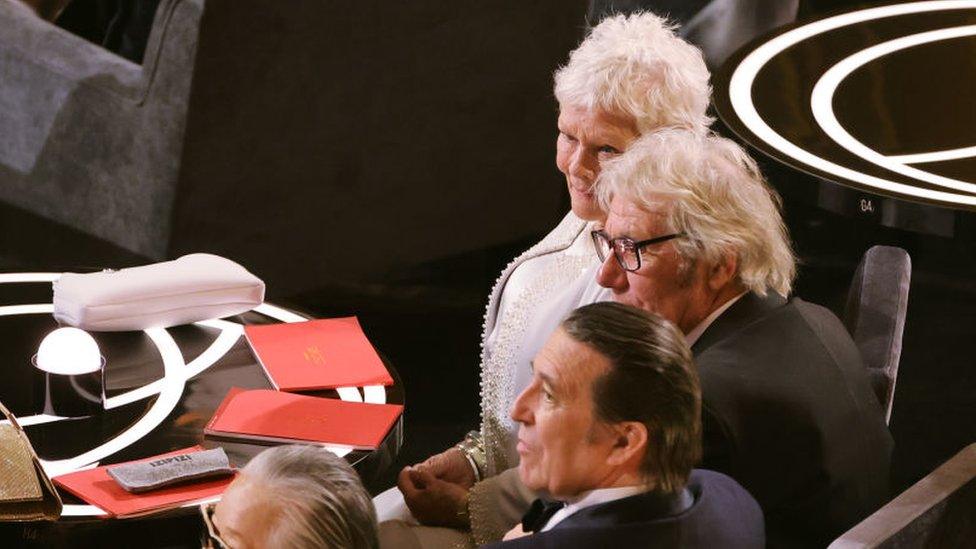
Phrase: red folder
pixel 270 416
pixel 317 354
pixel 97 488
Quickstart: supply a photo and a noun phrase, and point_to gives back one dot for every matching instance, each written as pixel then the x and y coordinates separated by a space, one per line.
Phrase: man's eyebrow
pixel 549 381
pixel 545 377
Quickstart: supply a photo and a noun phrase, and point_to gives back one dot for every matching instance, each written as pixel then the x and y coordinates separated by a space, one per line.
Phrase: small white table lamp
pixel 72 366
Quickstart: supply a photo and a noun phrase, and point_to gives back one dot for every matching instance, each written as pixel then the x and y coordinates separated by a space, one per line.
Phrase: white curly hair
pixel 720 202
pixel 635 65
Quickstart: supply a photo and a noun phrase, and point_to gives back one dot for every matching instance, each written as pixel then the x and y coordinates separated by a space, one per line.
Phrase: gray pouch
pixel 162 472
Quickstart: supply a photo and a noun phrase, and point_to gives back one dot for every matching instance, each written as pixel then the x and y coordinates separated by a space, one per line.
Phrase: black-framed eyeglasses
pixel 211 537
pixel 626 250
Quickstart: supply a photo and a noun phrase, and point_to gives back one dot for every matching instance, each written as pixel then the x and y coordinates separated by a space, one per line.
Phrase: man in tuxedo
pixel 694 234
pixel 609 429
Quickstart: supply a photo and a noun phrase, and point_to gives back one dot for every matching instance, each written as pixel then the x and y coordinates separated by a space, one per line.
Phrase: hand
pixel 433 502
pixel 515 533
pixel 449 466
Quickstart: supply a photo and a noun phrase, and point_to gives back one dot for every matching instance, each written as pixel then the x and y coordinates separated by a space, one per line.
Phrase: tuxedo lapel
pixel 743 312
pixel 539 514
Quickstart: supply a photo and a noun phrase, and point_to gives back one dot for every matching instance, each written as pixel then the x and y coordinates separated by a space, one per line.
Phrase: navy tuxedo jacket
pixel 723 515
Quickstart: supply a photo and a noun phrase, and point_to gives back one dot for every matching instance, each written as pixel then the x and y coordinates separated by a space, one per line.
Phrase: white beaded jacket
pixel 561 272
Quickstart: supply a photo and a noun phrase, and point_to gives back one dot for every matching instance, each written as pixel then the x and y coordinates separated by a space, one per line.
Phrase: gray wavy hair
pixel 721 202
pixel 635 65
pixel 318 497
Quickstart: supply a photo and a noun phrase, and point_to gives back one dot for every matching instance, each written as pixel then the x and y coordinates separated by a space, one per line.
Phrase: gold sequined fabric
pixel 18 481
pixel 25 491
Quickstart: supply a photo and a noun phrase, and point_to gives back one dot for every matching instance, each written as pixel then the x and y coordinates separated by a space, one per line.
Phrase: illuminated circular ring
pixel 822 99
pixel 742 79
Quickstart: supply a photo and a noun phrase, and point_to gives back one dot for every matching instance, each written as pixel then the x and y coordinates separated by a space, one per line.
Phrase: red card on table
pixel 97 488
pixel 271 416
pixel 317 354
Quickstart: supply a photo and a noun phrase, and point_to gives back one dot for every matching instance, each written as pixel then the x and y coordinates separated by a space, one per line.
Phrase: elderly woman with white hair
pixel 631 75
pixel 301 497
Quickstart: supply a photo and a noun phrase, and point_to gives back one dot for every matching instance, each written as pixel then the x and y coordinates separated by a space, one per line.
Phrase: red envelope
pixel 317 354
pixel 270 416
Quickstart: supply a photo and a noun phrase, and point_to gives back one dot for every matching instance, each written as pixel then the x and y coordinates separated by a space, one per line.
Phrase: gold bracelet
pixel 474 450
pixel 472 464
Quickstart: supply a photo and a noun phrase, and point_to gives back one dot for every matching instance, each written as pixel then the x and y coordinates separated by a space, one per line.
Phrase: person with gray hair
pixel 694 234
pixel 298 497
pixel 720 205
pixel 629 76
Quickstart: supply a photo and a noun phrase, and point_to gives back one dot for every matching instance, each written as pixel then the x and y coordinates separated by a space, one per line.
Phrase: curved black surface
pixel 132 361
pixel 910 101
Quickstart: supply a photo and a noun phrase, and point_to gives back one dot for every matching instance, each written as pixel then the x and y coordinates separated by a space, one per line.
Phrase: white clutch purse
pixel 192 288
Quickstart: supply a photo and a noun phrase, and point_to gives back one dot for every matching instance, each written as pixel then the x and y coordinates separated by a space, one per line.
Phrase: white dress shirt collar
pixel 591 498
pixel 697 332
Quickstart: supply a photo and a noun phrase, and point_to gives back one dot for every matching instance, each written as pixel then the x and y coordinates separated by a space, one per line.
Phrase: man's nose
pixel 611 275
pixel 521 412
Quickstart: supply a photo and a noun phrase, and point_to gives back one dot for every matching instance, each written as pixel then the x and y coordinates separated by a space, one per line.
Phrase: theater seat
pixel 875 315
pixel 317 143
pixel 89 139
pixel 723 26
pixel 935 513
pixel 718 27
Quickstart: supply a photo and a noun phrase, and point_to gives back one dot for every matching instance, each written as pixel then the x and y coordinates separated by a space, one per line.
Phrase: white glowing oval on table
pixel 169 398
pixel 934 156
pixel 744 76
pixel 822 105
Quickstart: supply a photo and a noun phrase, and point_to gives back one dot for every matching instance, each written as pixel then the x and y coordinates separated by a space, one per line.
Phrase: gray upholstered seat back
pixel 723 26
pixel 89 139
pixel 935 513
pixel 318 143
pixel 875 315
pixel 718 27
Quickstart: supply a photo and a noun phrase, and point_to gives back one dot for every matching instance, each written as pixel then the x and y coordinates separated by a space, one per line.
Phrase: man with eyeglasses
pixel 695 235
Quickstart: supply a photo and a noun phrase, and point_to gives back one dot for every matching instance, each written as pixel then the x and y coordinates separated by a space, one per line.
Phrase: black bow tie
pixel 539 514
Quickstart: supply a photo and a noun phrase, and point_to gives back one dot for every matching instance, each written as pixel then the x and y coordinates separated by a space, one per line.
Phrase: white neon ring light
pixel 169 398
pixel 934 156
pixel 740 95
pixel 822 99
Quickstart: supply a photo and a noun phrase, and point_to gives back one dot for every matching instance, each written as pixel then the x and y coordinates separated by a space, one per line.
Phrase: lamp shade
pixel 68 351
